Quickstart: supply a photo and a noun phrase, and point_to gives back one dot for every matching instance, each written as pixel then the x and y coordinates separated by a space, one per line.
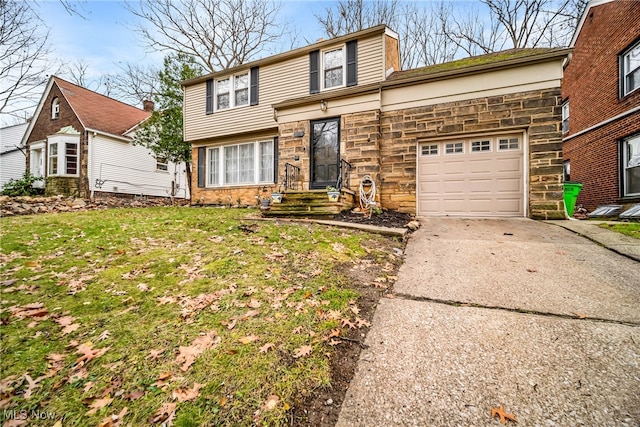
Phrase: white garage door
pixel 471 177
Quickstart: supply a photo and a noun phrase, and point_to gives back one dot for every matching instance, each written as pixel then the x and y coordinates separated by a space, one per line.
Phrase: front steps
pixel 310 203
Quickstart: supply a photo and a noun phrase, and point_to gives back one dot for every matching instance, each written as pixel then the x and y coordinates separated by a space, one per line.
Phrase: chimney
pixel 147 105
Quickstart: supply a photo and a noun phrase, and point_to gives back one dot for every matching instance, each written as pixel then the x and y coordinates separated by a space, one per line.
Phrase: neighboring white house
pixel 12 153
pixel 81 141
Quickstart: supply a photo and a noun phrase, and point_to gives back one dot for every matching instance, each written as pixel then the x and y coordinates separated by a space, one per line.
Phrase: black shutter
pixel 254 86
pixel 352 63
pixel 209 96
pixel 275 159
pixel 314 71
pixel 201 169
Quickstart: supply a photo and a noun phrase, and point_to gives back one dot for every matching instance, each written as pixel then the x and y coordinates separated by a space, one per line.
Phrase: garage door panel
pixel 487 183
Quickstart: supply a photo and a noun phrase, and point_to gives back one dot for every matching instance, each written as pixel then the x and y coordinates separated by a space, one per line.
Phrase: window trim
pixel 508 138
pixel 221 163
pixel 565 117
pixel 429 152
pixel 55 108
pixel 623 71
pixel 232 91
pixel 162 164
pixel 61 156
pixel 322 70
pixel 625 167
pixel 480 143
pixel 453 153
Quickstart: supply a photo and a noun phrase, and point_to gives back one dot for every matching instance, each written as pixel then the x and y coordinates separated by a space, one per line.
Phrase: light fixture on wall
pixel 323 105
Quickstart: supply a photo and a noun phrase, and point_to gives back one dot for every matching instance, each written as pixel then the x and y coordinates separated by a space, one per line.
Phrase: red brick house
pixel 601 110
pixel 80 141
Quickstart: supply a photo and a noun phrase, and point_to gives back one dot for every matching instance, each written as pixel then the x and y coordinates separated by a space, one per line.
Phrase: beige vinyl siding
pixel 335 107
pixel 277 82
pixel 528 77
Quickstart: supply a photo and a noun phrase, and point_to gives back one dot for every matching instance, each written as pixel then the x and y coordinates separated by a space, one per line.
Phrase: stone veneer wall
pixel 62 185
pixel 538 112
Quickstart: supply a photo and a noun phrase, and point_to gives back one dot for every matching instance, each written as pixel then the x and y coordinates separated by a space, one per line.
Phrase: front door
pixel 325 153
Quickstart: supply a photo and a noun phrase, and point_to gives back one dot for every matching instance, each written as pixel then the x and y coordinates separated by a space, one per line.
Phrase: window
pixel 161 164
pixel 631 166
pixel 477 146
pixel 430 150
pixel 241 90
pixel 55 108
pixel 53 159
pixel 565 117
pixel 222 94
pixel 630 70
pixel 333 68
pixel 63 158
pixel 508 143
pixel 249 163
pixel 566 171
pixel 453 148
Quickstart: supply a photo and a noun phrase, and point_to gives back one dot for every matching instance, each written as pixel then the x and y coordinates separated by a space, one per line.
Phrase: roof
pixel 510 57
pixel 99 112
pixel 379 29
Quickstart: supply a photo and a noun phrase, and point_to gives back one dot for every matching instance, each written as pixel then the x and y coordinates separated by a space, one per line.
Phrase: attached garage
pixel 481 176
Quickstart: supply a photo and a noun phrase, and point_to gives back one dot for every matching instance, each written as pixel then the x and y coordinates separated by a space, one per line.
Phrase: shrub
pixel 22 186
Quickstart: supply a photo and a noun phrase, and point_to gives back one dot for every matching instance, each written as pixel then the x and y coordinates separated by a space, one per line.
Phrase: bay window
pixel 238 164
pixel 63 158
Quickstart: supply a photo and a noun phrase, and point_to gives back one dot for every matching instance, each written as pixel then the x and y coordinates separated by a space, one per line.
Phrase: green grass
pixel 631 229
pixel 137 273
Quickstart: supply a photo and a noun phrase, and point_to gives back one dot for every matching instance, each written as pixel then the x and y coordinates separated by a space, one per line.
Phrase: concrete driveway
pixel 502 312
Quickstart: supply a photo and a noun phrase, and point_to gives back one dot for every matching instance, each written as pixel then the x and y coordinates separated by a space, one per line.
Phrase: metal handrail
pixel 291 175
pixel 344 175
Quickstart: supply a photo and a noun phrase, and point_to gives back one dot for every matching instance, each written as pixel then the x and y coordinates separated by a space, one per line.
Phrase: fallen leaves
pixel 503 415
pixel 165 414
pixel 270 403
pixel 268 346
pixel 249 339
pixel 67 324
pixel 305 350
pixel 88 353
pixel 98 404
pixel 188 354
pixel 183 395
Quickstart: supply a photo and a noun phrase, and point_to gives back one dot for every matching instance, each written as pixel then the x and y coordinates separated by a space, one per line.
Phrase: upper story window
pixel 333 68
pixel 630 70
pixel 55 108
pixel 565 117
pixel 234 91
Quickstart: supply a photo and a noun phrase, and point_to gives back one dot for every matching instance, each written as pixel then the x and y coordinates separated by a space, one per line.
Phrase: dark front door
pixel 325 152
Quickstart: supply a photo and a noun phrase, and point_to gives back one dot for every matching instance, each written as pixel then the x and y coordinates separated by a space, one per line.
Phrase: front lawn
pixel 190 316
pixel 627 228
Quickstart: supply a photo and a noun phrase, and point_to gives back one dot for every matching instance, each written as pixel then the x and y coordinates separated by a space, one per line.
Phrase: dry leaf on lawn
pixel 134 395
pixel 189 354
pixel 104 335
pixel 98 404
pixel 155 354
pixel 164 415
pixel 89 353
pixel 183 395
pixel 114 420
pixel 268 346
pixel 270 403
pixel 249 339
pixel 305 350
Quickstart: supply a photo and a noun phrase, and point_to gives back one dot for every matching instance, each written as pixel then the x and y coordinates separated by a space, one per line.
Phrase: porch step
pixel 312 203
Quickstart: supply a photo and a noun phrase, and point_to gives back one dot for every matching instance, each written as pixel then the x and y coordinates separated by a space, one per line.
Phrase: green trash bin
pixel 571 191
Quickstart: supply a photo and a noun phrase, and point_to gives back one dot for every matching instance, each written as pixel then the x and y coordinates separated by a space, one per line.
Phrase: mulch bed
pixel 386 218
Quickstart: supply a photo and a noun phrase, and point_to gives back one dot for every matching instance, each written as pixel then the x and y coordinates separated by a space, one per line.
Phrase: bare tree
pixel 134 83
pixel 76 72
pixel 23 57
pixel 218 33
pixel 349 16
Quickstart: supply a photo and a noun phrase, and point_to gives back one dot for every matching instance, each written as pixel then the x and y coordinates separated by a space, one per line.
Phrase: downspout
pixel 90 140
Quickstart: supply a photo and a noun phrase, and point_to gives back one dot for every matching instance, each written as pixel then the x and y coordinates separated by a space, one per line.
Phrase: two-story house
pixel 80 141
pixel 474 137
pixel 601 110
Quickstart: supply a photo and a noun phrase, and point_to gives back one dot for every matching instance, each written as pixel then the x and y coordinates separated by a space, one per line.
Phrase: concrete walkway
pixel 510 312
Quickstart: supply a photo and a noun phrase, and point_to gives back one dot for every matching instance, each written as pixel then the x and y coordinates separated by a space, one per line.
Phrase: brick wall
pixel 539 112
pixel 595 162
pixel 44 126
pixel 591 84
pixel 591 79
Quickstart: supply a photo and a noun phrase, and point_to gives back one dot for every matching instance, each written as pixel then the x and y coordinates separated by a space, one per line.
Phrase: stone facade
pixel 537 112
